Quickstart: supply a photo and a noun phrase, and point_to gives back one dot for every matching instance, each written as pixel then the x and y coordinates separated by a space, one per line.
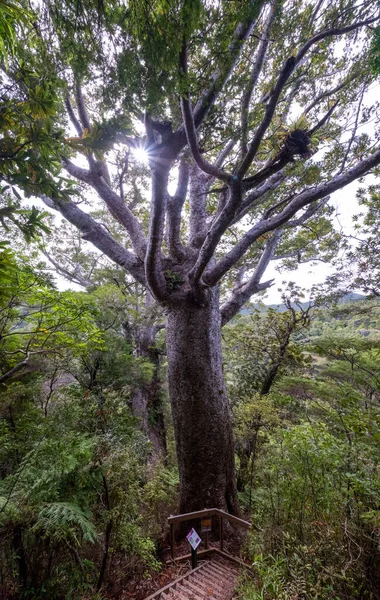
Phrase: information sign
pixel 206 524
pixel 193 539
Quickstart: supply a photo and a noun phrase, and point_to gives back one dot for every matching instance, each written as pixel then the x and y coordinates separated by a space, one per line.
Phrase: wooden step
pixel 213 580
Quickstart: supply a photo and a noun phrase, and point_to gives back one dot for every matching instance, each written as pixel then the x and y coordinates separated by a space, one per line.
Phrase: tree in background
pixel 72 461
pixel 260 348
pixel 217 88
pixel 138 318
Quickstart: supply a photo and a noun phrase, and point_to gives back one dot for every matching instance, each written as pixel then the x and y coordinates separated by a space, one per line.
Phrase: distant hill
pixel 351 297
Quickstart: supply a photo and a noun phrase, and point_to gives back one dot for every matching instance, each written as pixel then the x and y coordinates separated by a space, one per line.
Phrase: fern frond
pixel 58 518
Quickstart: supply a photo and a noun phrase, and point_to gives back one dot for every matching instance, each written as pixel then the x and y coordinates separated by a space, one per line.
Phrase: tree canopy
pixel 192 143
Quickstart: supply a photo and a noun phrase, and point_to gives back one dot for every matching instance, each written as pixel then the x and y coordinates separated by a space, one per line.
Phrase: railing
pixel 199 514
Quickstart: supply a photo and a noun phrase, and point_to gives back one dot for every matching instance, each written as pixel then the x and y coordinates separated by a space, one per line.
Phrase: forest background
pixel 93 399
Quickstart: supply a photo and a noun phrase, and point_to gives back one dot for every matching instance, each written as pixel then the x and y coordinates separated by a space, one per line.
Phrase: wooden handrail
pixel 208 512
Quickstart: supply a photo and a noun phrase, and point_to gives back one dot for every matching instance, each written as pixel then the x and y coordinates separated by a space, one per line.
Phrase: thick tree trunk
pixel 201 415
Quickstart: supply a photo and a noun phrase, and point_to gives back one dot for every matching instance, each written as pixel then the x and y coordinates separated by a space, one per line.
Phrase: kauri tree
pixel 254 107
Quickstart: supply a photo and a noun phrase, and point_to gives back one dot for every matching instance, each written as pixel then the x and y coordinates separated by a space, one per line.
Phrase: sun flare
pixel 140 155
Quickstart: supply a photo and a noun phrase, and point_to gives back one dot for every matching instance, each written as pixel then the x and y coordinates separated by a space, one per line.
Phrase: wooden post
pixel 221 532
pixel 172 540
pixel 194 558
pixel 206 540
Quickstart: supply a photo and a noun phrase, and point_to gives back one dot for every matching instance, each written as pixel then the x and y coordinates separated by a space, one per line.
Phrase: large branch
pixel 216 231
pixel 198 195
pixel 96 234
pixel 79 173
pixel 297 203
pixel 72 116
pixel 153 269
pixel 9 374
pixel 81 106
pixel 191 132
pixel 258 196
pixel 243 293
pixel 174 208
pixel 114 202
pixel 220 159
pixel 287 69
pixel 311 210
pixel 255 74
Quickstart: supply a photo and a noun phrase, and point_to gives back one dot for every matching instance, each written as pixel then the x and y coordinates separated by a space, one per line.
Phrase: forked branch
pixel 242 294
pixel 297 203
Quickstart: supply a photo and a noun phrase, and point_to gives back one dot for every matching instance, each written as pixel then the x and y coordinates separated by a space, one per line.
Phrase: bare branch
pixel 175 204
pixel 75 276
pixel 243 293
pixel 94 232
pixel 316 11
pixel 71 113
pixel 328 93
pixel 324 119
pixel 255 73
pixel 299 201
pixel 122 174
pixel 222 157
pixel 83 115
pixel 355 128
pixel 154 274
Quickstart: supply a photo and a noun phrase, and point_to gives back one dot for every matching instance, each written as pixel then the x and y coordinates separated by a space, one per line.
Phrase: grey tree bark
pixel 201 415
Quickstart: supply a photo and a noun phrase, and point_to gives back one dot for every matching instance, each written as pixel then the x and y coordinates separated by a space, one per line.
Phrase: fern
pixel 58 518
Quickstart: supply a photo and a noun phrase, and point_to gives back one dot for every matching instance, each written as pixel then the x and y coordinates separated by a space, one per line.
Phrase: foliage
pixel 160 496
pixel 358 269
pixel 77 469
pixel 73 463
pixel 260 347
pixel 315 480
pixel 37 322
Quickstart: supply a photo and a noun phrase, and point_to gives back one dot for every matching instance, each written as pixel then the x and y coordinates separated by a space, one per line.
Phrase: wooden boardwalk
pixel 213 580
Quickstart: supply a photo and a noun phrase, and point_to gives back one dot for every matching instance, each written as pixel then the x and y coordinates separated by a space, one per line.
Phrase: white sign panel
pixel 193 539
